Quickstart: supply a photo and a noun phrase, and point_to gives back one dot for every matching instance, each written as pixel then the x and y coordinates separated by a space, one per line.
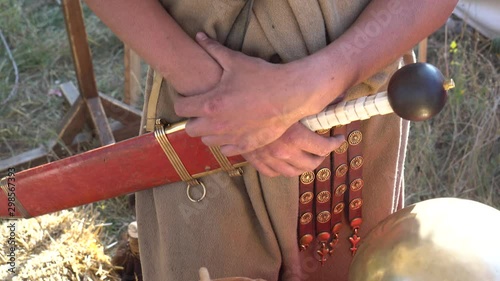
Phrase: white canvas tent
pixel 483 15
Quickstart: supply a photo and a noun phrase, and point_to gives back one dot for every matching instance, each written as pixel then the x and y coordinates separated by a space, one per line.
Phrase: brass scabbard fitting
pixel 4 185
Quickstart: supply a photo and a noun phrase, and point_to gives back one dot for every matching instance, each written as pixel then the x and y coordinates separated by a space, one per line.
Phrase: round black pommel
pixel 418 91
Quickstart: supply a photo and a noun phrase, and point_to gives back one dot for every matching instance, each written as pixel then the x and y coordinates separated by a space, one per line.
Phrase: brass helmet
pixel 434 240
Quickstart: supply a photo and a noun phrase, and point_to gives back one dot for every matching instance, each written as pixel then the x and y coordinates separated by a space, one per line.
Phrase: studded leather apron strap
pixel 339 187
pixel 306 222
pixel 329 192
pixel 323 195
pixel 355 181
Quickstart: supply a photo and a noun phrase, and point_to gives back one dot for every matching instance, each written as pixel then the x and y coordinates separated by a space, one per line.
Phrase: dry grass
pixel 457 153
pixel 59 246
pixel 36 35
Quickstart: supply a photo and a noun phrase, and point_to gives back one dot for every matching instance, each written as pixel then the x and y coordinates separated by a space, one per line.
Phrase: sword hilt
pixel 415 92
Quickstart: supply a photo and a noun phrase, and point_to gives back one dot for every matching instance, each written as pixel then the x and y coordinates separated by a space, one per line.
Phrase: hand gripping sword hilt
pixel 415 92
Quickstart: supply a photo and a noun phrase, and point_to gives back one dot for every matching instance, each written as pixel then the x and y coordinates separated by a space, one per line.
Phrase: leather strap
pixel 339 187
pixel 306 216
pixel 355 181
pixel 153 101
pixel 323 195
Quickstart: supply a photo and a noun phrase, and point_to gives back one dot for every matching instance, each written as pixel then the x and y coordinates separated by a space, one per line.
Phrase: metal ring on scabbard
pixel 188 192
pixel 161 137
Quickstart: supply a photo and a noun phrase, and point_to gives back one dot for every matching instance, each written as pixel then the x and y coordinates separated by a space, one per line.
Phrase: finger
pixel 232 150
pixel 305 161
pixel 287 170
pixel 197 106
pixel 217 51
pixel 294 156
pixel 270 166
pixel 204 276
pixel 311 142
pixel 288 161
pixel 221 140
pixel 241 147
pixel 260 166
pixel 199 127
pixel 283 167
pixel 230 141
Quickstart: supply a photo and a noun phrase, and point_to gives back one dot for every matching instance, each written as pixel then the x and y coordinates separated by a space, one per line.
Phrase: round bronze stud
pixel 341 170
pixel 356 162
pixel 342 148
pixel 323 217
pixel 305 241
pixel 356 204
pixel 355 137
pixel 340 190
pixel 307 177
pixel 323 196
pixel 336 228
pixel 323 174
pixel 306 197
pixel 357 184
pixel 306 218
pixel 356 223
pixel 323 237
pixel 338 208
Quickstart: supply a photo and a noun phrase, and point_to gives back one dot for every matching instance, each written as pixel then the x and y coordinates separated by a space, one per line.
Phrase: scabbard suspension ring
pixel 161 136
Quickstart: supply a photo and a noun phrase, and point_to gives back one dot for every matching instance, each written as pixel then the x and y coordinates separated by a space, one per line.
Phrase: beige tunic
pixel 247 226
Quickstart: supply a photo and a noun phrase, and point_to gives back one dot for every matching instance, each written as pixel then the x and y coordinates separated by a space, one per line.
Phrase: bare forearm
pixel 383 32
pixel 148 29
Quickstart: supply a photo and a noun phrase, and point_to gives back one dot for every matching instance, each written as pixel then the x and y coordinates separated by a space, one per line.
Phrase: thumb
pixel 204 276
pixel 217 51
pixel 336 141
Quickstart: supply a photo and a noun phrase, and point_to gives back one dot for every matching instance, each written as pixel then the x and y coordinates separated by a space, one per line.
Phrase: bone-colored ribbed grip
pixel 346 112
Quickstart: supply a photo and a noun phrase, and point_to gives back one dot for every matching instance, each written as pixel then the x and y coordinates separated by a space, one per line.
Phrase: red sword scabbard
pixel 129 166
